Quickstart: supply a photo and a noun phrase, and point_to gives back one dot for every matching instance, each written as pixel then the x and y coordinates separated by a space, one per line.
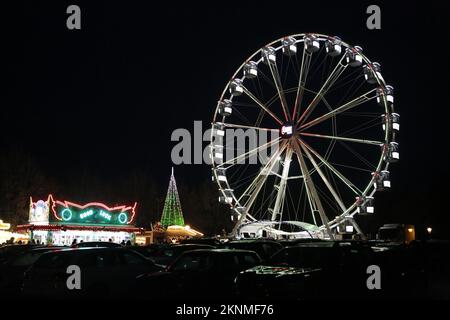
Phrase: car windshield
pixel 132 258
pixel 168 252
pixel 52 261
pixel 26 259
pixel 193 263
pixel 305 257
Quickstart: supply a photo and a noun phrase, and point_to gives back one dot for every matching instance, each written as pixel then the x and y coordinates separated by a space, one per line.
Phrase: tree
pixel 172 214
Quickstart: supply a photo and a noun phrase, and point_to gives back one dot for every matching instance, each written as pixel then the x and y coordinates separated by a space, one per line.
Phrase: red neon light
pixel 52 227
pixel 66 204
pixel 50 197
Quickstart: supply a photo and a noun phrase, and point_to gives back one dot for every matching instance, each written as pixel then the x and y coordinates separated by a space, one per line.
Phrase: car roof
pixel 47 249
pixel 327 244
pixel 187 245
pixel 250 241
pixel 21 246
pixel 219 251
pixel 90 249
pixel 330 244
pixel 97 242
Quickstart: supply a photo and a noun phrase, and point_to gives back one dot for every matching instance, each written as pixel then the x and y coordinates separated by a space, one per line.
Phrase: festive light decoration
pixel 39 211
pixel 122 217
pixel 92 213
pixel 54 227
pixel 86 214
pixel 69 221
pixel 185 231
pixel 172 214
pixel 4 226
pixel 105 215
pixel 66 214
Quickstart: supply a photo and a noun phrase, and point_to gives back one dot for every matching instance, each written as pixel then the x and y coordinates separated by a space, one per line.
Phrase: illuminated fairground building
pixel 61 222
pixel 6 235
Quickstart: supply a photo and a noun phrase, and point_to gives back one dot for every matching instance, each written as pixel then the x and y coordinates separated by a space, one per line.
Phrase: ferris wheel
pixel 317 132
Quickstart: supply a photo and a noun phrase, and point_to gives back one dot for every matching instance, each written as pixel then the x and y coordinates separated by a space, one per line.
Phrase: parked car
pixel 12 250
pixel 308 271
pixel 105 272
pixel 264 248
pixel 96 244
pixel 207 274
pixel 150 250
pixel 167 255
pixel 12 271
pixel 294 242
pixel 212 241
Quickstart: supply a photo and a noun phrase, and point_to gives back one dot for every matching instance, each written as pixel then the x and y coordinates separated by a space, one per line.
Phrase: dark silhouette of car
pixel 12 271
pixel 206 274
pixel 12 250
pixel 96 244
pixel 212 241
pixel 166 256
pixel 105 272
pixel 264 248
pixel 150 250
pixel 294 242
pixel 309 271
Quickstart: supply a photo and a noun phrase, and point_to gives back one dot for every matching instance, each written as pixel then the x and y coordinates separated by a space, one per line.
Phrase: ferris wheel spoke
pixel 308 195
pixel 347 182
pixel 349 78
pixel 352 167
pixel 314 197
pixel 247 154
pixel 255 187
pixel 358 155
pixel 372 142
pixel 334 75
pixel 347 106
pixel 281 188
pixel 277 81
pixel 239 126
pixel 306 61
pixel 263 174
pixel 259 103
pixel 324 178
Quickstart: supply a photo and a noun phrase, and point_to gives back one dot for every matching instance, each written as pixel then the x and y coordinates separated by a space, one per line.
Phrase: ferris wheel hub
pixel 287 130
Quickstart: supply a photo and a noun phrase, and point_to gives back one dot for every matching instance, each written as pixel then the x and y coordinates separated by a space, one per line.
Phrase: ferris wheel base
pixel 277 230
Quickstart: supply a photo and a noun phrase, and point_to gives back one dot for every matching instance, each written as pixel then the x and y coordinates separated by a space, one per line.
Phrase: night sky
pixel 104 100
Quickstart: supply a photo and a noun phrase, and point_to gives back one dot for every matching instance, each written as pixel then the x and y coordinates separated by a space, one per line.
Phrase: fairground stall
pixel 6 235
pixel 61 222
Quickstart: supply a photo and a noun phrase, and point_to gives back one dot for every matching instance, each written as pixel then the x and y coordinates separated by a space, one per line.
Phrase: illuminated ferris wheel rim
pixel 301 36
pixel 280 44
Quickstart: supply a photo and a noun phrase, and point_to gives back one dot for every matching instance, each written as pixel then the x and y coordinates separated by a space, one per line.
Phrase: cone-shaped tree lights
pixel 172 214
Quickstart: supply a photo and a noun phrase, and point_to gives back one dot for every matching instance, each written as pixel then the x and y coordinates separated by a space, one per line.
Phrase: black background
pixel 88 109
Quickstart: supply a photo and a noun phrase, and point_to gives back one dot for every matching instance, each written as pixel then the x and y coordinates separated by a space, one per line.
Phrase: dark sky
pixel 106 98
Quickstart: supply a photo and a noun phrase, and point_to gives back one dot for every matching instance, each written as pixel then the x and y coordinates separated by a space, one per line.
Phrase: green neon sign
pixel 92 215
pixel 66 214
pixel 122 217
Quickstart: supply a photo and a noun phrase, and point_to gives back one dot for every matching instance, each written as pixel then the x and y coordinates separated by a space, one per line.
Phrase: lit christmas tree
pixel 172 214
